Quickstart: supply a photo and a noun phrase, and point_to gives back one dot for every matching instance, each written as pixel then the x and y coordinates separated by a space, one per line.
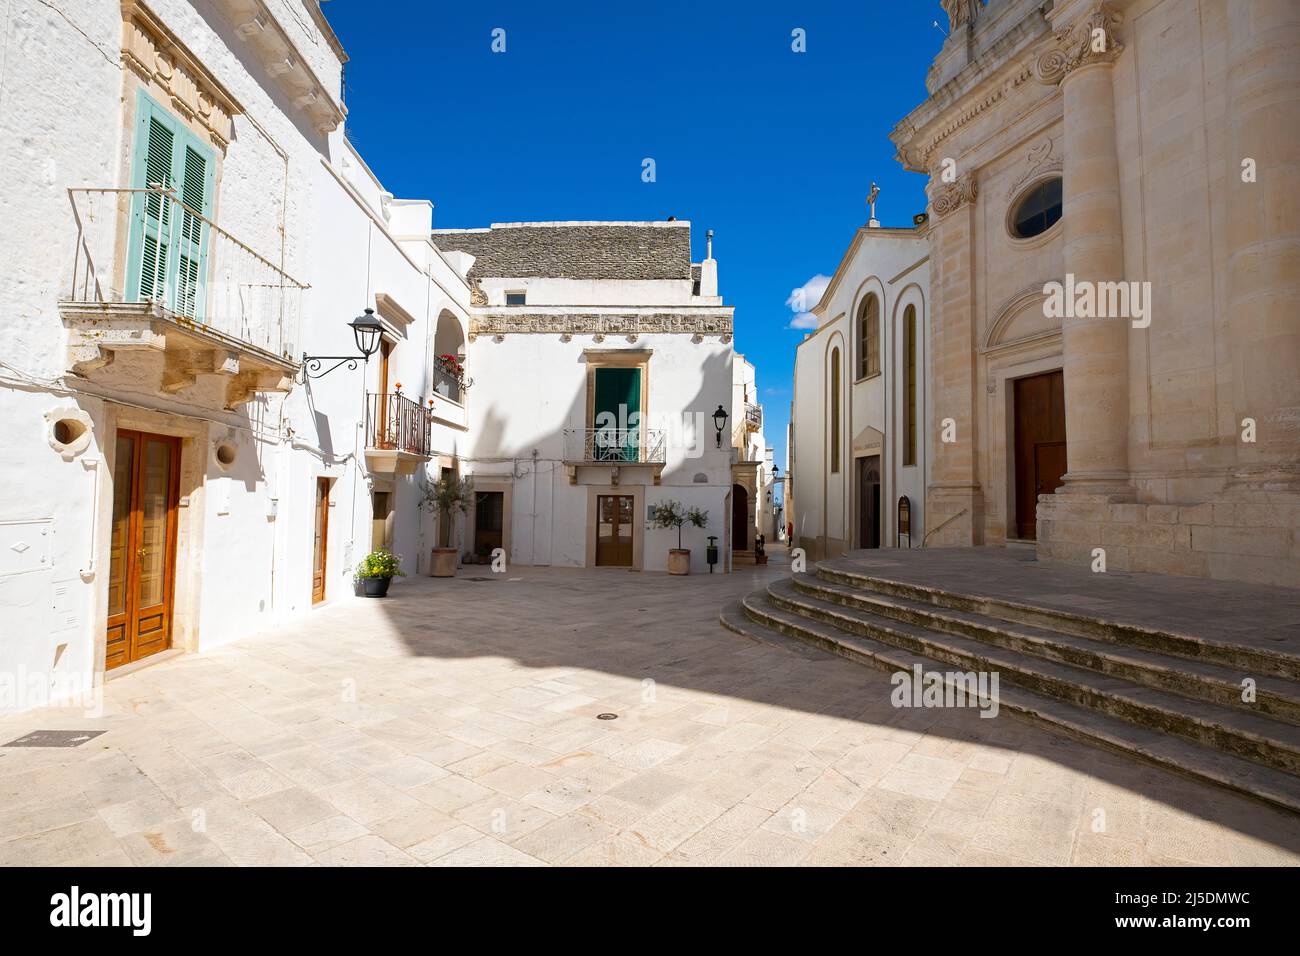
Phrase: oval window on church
pixel 1037 210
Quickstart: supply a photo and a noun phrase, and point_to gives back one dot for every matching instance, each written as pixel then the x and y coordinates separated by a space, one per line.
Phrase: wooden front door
pixel 1039 444
pixel 869 502
pixel 489 522
pixel 739 518
pixel 614 531
pixel 142 550
pixel 320 540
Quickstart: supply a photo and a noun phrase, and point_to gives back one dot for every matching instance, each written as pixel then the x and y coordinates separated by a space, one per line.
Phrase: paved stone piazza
pixel 455 723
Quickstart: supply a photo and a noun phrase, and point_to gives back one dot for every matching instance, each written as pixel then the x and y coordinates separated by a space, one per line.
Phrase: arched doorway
pixel 739 518
pixel 869 502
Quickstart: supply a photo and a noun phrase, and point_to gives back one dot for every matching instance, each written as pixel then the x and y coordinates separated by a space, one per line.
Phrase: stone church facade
pixel 1142 155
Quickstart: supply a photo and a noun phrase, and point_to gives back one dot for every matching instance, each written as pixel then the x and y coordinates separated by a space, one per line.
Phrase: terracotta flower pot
pixel 444 562
pixel 375 587
pixel 679 561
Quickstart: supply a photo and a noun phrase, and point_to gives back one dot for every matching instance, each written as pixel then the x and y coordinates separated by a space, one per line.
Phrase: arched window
pixel 909 385
pixel 1037 210
pixel 449 358
pixel 869 337
pixel 835 411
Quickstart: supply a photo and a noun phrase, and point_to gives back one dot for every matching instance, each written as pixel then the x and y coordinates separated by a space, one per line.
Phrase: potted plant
pixel 450 497
pixel 673 514
pixel 377 570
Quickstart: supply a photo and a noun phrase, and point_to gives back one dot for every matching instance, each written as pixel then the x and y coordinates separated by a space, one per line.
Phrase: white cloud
pixel 803 299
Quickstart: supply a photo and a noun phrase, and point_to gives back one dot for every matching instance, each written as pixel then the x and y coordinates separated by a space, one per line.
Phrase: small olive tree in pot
pixel 450 497
pixel 673 514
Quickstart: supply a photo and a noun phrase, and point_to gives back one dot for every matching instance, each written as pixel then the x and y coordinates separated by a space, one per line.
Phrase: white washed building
pixel 168 483
pixel 751 467
pixel 600 354
pixel 175 475
pixel 860 414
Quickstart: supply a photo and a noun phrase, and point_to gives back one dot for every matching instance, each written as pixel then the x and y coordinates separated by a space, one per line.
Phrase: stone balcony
pixel 398 433
pixel 614 449
pixel 197 303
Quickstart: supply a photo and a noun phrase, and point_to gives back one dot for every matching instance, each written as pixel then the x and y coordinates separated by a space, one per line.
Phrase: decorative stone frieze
pixel 602 324
pixel 155 55
pixel 951 196
pixel 1091 39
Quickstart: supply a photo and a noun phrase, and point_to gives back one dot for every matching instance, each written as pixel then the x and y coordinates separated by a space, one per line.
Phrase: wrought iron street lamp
pixel 720 422
pixel 366 330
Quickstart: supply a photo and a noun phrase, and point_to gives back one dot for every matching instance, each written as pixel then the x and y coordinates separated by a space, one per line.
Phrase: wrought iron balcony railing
pixel 147 246
pixel 396 423
pixel 634 446
pixel 447 384
pixel 753 417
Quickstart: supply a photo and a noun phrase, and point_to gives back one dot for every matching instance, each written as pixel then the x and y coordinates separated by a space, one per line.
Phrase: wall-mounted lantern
pixel 720 422
pixel 365 329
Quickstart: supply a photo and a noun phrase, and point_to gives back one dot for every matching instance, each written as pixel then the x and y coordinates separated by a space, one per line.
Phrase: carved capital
pixel 1090 39
pixel 951 196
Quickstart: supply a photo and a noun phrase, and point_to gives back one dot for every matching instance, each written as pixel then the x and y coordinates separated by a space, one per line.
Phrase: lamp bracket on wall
pixel 366 329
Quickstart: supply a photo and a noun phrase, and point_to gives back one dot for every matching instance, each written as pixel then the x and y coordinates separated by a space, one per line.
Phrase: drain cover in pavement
pixel 55 738
pixel 480 579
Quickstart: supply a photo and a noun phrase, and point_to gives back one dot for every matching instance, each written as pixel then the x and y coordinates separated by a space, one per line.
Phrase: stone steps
pixel 1217 684
pixel 1256 661
pixel 761 617
pixel 1249 736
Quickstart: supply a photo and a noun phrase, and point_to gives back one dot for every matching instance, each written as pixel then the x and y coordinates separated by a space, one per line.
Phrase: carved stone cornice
pixel 601 324
pixel 951 196
pixel 1090 39
pixel 287 69
pixel 160 59
pixel 919 155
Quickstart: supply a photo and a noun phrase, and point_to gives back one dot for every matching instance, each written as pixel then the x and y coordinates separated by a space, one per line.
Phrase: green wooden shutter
pixel 618 390
pixel 191 252
pixel 167 258
pixel 151 226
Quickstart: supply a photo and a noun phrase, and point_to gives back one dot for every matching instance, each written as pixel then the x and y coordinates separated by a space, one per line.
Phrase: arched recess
pixel 835 423
pixel 448 354
pixel 1021 320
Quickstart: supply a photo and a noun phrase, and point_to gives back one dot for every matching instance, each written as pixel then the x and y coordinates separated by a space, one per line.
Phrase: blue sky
pixel 773 150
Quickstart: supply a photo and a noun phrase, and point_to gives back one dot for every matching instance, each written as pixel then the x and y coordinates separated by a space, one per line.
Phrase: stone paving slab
pixel 454 723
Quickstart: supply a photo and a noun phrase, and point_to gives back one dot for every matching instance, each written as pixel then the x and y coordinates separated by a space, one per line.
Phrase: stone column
pixel 1263 221
pixel 954 505
pixel 1095 349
